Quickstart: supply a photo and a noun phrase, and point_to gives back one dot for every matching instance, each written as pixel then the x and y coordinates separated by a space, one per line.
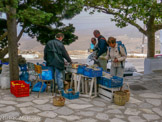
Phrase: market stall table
pixel 84 81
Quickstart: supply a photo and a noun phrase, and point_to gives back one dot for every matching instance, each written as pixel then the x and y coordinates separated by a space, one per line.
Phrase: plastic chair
pixel 38 70
pixel 31 69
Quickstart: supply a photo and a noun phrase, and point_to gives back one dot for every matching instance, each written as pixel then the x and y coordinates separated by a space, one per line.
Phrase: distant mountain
pixel 26 43
pixel 133 44
pixel 85 24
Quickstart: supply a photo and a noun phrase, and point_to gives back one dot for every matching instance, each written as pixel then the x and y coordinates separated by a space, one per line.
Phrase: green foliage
pixel 48 18
pixel 3 26
pixel 34 16
pixel 15 3
pixel 2 6
pixel 4 3
pixel 45 33
pixel 43 18
pixel 128 11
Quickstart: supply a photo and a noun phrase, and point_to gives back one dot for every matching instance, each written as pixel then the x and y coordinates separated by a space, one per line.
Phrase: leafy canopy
pixel 43 18
pixel 128 11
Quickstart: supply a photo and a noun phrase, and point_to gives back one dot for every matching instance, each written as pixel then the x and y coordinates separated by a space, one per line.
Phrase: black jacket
pixel 102 46
pixel 54 54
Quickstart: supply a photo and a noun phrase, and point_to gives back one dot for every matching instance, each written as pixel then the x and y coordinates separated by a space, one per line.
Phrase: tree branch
pixel 3 36
pixel 106 11
pixel 20 34
pixel 45 26
pixel 158 27
pixel 3 52
pixel 137 26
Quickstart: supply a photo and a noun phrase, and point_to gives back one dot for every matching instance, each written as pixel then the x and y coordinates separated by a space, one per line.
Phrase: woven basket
pixel 127 95
pixel 120 98
pixel 127 91
pixel 58 101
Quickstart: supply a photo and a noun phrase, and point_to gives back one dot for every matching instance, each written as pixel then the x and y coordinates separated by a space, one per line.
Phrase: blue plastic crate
pixel 70 96
pixel 112 82
pixel 80 69
pixel 93 73
pixel 37 87
pixel 99 80
pixel 47 75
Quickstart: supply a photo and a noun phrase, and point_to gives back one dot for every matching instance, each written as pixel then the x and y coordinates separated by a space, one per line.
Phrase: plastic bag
pixel 24 76
pixel 28 82
pixel 47 75
pixel 5 82
pixel 90 60
pixel 5 68
pixel 37 87
pixel 5 74
pixel 23 67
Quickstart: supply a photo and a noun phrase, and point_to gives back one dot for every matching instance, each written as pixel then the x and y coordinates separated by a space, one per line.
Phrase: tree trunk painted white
pixel 160 41
pixel 152 64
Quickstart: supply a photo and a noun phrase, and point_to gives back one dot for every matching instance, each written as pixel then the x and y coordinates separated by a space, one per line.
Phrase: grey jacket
pixel 114 53
pixel 55 53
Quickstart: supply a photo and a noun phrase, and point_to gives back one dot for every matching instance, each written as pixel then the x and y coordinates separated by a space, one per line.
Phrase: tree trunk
pixel 12 43
pixel 151 44
pixel 151 37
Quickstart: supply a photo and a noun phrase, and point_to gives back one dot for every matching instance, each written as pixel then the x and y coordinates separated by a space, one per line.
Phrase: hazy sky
pixel 89 22
pixel 85 23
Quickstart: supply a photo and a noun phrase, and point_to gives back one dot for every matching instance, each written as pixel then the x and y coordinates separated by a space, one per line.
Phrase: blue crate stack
pixel 113 82
pixel 70 96
pixel 80 69
pixel 93 73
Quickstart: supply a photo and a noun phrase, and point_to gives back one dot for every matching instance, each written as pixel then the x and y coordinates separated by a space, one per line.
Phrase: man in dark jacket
pixel 102 48
pixel 54 55
pixel 102 45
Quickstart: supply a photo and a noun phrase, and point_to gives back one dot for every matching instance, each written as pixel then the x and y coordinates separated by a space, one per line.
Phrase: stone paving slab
pixel 144 106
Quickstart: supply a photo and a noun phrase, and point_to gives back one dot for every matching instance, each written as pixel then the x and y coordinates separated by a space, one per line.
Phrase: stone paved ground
pixel 144 106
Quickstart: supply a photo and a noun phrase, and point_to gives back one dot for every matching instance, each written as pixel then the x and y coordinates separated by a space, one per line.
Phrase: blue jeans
pixel 58 76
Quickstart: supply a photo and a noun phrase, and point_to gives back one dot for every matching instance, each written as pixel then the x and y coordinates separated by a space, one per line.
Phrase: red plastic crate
pixel 19 88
